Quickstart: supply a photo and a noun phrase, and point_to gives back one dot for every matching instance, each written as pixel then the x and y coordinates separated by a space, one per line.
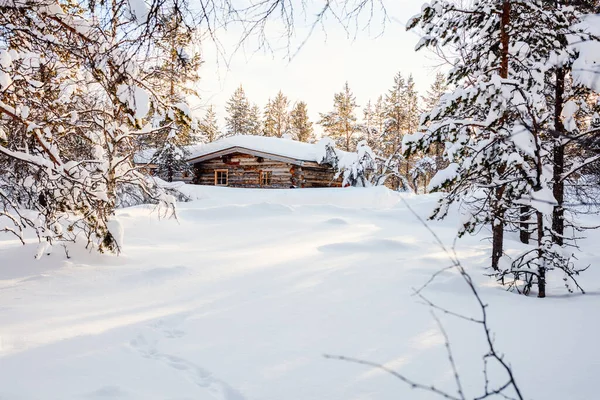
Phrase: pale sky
pixel 327 60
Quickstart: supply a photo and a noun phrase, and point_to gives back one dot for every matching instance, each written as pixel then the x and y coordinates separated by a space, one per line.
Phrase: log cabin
pixel 261 162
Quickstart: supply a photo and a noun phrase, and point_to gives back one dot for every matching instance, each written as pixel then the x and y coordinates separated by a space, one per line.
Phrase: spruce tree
pixel 340 124
pixel 368 126
pixel 375 118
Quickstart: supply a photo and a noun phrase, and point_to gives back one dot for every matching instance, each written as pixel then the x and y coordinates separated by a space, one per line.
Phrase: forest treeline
pixel 381 124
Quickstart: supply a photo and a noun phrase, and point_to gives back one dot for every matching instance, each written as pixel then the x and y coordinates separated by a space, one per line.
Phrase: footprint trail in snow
pixel 147 348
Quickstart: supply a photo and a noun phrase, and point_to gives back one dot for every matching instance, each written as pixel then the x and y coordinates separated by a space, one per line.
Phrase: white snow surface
pixel 240 298
pixel 272 145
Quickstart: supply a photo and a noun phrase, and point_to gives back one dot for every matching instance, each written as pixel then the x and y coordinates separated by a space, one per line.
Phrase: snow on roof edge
pixel 272 145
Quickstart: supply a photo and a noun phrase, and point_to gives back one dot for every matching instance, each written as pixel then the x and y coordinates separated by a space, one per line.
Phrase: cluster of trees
pixel 83 86
pixel 382 126
pixel 517 125
pixel 279 118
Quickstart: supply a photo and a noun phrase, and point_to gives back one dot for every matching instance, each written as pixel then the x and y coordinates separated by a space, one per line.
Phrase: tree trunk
pixel 497 243
pixel 524 225
pixel 558 190
pixel 498 227
pixel 542 265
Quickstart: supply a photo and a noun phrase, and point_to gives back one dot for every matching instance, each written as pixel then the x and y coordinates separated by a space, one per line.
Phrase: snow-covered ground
pixel 242 296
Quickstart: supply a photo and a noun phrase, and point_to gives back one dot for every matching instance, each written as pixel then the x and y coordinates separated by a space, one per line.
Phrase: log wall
pixel 244 171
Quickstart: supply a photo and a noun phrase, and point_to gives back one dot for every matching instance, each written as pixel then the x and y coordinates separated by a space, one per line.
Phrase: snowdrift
pixel 241 297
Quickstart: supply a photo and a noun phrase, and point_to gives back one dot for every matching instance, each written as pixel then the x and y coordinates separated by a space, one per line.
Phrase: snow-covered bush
pixel 356 169
pixel 362 168
pixel 424 168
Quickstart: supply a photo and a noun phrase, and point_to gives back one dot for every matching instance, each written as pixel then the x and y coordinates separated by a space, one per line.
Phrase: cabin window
pixel 265 178
pixel 221 176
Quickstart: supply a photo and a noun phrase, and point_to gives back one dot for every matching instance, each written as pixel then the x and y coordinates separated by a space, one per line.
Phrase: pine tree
pixel 497 124
pixel 268 121
pixel 378 116
pixel 254 121
pixel 369 125
pixel 435 92
pixel 238 114
pixel 301 127
pixel 208 126
pixel 410 101
pixel 340 124
pixel 395 116
pixel 374 123
pixel 175 74
pixel 277 116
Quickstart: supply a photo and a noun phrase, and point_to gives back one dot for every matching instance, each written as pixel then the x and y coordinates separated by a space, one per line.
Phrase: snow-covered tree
pixel 254 121
pixel 395 116
pixel 369 124
pixel 300 124
pixel 373 125
pixel 238 114
pixel 277 116
pixel 75 101
pixel 435 92
pixel 355 168
pixel 174 73
pixel 171 160
pixel 497 121
pixel 410 101
pixel 340 124
pixel 208 126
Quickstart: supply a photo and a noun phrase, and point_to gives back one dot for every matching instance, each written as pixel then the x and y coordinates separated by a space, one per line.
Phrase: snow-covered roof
pixel 276 146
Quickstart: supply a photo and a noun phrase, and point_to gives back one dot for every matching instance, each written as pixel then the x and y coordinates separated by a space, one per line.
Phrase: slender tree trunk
pixel 541 260
pixel 497 242
pixel 498 209
pixel 347 137
pixel 558 190
pixel 524 224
